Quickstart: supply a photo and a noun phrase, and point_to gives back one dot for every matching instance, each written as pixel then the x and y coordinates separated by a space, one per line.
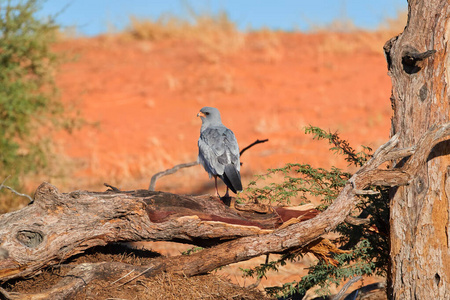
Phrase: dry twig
pixel 341 293
pixel 13 190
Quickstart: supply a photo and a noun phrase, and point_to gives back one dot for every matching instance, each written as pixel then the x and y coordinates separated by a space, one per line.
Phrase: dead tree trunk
pixel 419 65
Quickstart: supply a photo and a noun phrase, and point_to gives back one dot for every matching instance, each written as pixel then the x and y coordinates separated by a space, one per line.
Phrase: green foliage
pixel 261 270
pixel 27 91
pixel 376 232
pixel 324 274
pixel 367 243
pixel 301 181
pixel 341 146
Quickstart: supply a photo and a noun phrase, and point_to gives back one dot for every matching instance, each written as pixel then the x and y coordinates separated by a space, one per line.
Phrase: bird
pixel 218 150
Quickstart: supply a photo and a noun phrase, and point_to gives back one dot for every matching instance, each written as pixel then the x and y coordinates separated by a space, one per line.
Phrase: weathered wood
pixel 59 225
pixel 419 65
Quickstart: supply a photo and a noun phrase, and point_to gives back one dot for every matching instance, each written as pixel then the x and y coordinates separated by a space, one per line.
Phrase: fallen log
pixel 58 225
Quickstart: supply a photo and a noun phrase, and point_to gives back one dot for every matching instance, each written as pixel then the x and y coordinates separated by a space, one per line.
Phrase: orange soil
pixel 141 99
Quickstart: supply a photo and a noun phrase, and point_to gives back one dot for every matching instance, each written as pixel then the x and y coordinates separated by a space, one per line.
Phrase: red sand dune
pixel 141 99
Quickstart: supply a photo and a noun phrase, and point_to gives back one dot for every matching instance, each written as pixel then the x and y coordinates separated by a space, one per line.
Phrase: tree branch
pixel 356 221
pixel 13 190
pixel 253 144
pixel 168 172
pixel 341 293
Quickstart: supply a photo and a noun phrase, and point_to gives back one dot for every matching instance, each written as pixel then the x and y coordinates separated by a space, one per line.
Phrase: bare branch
pixel 341 293
pixel 255 284
pixel 13 190
pixel 111 188
pixel 148 269
pixel 253 144
pixel 380 155
pixel 9 295
pixel 365 192
pixel 168 172
pixel 356 221
pixel 400 153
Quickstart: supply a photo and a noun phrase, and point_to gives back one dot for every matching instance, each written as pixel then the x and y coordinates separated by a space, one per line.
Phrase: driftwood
pixel 58 225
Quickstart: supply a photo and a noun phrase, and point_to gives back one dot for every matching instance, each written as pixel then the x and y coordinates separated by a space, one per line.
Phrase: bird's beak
pixel 200 114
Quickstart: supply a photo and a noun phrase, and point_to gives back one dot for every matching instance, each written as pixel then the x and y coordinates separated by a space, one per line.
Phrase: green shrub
pixel 27 92
pixel 367 244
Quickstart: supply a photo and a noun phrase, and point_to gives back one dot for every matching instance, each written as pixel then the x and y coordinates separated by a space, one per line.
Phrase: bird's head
pixel 209 115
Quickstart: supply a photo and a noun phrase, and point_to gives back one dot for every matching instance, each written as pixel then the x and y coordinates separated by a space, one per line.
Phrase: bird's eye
pixel 206 113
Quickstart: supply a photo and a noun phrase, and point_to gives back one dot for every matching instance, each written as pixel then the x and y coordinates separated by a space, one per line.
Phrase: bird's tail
pixel 232 178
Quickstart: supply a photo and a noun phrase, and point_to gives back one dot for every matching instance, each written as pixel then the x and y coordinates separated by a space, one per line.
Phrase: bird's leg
pixel 226 194
pixel 217 191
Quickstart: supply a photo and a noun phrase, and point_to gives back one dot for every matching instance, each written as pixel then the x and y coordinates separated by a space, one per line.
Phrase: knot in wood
pixel 30 238
pixel 423 92
pixel 411 59
pixel 46 194
pixel 420 185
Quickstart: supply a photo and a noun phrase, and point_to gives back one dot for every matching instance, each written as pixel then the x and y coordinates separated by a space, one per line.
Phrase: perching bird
pixel 218 150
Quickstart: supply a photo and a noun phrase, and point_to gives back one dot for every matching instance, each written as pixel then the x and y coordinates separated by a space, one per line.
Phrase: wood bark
pixel 419 65
pixel 58 225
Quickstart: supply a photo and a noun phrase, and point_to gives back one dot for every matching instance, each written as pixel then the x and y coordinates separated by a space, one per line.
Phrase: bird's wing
pixel 233 148
pixel 217 148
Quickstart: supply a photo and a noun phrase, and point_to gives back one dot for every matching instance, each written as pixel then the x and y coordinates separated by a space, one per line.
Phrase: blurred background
pixel 110 89
pixel 131 76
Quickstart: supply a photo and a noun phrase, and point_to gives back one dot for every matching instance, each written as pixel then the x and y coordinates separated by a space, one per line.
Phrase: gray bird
pixel 218 150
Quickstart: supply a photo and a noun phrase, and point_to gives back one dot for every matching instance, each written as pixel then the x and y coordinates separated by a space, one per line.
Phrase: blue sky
pixel 92 17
